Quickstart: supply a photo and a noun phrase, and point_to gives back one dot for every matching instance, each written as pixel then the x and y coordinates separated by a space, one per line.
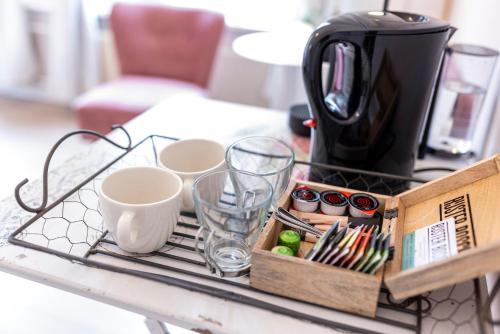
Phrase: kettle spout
pixel 452 32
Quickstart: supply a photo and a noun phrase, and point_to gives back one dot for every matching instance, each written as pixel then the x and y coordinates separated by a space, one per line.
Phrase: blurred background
pixel 55 50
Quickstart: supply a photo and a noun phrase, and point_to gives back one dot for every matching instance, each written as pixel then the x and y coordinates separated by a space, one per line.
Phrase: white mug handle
pixel 187 195
pixel 126 230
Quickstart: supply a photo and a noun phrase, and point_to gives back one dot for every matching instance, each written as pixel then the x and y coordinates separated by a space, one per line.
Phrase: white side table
pixel 284 50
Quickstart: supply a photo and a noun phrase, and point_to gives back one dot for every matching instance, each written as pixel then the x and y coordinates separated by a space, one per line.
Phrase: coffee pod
pixel 333 203
pixel 362 205
pixel 282 250
pixel 290 239
pixel 305 199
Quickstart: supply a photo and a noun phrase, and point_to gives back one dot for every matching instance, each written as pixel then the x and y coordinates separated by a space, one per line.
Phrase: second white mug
pixel 189 159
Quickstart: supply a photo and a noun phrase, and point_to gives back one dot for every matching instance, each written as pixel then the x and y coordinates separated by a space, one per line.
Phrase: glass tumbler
pixel 268 157
pixel 232 208
pixel 460 123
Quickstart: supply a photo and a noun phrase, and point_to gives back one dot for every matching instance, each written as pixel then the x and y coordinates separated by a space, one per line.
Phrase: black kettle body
pixel 368 112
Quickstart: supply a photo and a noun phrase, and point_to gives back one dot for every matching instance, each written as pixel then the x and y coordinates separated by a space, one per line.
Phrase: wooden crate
pixel 313 282
pixel 476 193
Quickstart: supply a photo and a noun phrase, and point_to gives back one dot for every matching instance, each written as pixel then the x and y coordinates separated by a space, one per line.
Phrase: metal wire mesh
pixel 73 226
pixel 361 180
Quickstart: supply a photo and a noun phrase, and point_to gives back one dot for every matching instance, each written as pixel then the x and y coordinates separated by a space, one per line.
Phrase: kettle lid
pixel 388 23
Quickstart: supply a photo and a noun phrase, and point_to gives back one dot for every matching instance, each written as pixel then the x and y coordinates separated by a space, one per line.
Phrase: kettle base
pixel 359 181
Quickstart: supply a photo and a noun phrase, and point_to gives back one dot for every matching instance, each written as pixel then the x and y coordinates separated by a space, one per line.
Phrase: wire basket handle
pixel 43 205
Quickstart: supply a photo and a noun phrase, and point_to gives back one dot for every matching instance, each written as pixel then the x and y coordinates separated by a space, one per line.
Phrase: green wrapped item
pixel 282 250
pixel 290 239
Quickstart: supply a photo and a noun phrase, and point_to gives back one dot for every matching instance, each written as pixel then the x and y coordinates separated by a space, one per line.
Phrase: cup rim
pixel 122 170
pixel 288 165
pixel 178 142
pixel 197 197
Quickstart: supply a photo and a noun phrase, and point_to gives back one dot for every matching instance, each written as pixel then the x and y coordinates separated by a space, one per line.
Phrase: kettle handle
pixel 312 73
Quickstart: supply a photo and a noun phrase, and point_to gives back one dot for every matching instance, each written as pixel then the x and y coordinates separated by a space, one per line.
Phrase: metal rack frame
pixel 415 306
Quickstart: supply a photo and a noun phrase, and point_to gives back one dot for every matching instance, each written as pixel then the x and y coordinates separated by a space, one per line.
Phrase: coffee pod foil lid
pixel 363 205
pixel 333 202
pixel 335 198
pixel 305 199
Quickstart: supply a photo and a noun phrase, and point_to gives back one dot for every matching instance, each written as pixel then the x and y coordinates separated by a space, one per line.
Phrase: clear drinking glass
pixel 459 121
pixel 268 157
pixel 231 207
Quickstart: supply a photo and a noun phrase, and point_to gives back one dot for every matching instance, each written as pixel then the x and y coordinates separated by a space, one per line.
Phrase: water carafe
pixel 458 122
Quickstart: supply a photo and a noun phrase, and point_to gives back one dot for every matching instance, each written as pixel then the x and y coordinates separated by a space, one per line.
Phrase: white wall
pixel 57 26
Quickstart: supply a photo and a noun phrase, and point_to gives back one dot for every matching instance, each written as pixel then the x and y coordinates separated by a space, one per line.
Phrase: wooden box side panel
pixel 393 266
pixel 286 199
pixel 316 283
pixel 269 235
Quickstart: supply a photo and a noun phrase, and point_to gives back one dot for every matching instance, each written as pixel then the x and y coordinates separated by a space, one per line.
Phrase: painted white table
pixel 283 47
pixel 451 308
pixel 283 50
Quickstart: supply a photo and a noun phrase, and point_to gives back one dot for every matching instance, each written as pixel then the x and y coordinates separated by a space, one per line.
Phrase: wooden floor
pixel 27 132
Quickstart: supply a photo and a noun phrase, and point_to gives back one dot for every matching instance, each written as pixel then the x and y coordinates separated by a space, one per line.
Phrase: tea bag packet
pixel 361 249
pixel 376 254
pixel 346 246
pixel 384 254
pixel 369 252
pixel 320 244
pixel 354 247
pixel 339 245
pixel 333 243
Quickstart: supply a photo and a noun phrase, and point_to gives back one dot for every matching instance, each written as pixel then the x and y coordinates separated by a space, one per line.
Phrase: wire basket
pixel 71 227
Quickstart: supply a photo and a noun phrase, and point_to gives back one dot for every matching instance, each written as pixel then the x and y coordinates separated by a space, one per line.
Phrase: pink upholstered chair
pixel 162 51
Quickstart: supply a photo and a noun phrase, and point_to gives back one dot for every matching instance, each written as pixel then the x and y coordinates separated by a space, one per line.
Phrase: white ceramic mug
pixel 140 207
pixel 191 158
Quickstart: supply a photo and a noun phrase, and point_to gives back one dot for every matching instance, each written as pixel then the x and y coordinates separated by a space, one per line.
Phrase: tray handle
pixel 43 205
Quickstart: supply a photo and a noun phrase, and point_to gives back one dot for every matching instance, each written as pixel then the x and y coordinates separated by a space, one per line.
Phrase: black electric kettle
pixel 369 110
